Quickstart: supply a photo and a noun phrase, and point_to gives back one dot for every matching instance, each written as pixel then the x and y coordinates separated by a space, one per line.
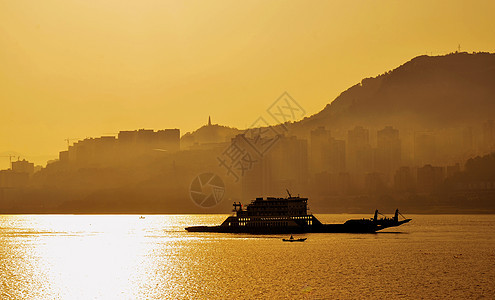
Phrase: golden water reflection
pixel 125 257
pixel 72 257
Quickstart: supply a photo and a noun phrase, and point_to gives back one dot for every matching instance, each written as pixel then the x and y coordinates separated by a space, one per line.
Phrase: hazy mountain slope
pixel 209 134
pixel 426 92
pixel 438 91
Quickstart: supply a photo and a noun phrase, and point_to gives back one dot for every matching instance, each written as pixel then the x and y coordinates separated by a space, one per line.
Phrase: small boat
pixel 292 239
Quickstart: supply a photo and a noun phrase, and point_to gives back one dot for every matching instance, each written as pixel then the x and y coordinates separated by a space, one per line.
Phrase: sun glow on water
pixel 125 257
pixel 101 257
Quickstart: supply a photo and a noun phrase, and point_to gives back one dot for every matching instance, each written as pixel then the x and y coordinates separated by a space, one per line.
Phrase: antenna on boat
pixel 288 193
pixel 401 214
pixel 381 213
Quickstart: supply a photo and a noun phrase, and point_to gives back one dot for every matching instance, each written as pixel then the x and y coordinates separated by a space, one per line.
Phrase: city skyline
pixel 325 166
pixel 459 63
pixel 101 68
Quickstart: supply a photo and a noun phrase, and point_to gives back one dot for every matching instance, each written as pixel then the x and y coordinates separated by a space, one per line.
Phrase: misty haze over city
pixel 217 149
pixel 420 137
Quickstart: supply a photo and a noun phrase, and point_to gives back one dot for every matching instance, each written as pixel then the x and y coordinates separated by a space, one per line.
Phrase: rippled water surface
pixel 125 257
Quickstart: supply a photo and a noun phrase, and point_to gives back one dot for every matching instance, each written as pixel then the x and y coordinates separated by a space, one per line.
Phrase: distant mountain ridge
pixel 429 91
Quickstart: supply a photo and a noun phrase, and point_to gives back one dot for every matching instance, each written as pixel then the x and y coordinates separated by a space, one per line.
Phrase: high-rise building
pixel 388 151
pixel 284 166
pixel 425 148
pixel 468 141
pixel 23 166
pixel 326 153
pixel 359 153
pixel 168 140
pixel 108 149
pixel 319 144
pixel 430 178
pixel 334 156
pixel 288 165
pixel 404 180
pixel 12 179
pixel 374 183
pixel 489 136
pixel 452 170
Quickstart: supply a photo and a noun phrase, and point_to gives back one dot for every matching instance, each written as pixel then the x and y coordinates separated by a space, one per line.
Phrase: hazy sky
pixel 92 68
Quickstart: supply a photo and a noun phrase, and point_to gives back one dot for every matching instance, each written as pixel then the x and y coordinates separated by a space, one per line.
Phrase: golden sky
pixel 89 68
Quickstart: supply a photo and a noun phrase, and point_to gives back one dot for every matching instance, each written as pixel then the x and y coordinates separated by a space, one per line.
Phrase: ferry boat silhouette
pixel 290 215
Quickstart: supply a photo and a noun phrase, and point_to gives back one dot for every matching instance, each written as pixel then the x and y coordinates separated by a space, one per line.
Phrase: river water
pixel 125 257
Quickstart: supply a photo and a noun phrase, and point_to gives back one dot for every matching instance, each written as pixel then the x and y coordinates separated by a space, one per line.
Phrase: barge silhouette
pixel 290 215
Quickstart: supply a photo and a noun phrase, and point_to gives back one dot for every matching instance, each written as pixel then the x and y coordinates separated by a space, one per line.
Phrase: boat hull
pixel 294 240
pixel 325 228
pixel 358 226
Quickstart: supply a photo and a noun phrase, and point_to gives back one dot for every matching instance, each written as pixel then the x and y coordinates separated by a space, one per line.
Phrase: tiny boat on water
pixel 292 239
